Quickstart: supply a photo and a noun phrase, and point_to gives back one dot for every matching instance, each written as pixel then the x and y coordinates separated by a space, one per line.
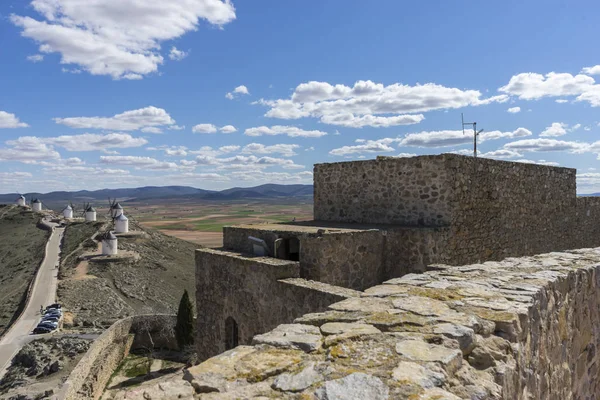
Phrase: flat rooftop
pixel 312 227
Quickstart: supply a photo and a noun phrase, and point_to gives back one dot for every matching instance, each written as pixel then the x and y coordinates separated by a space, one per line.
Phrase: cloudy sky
pixel 215 93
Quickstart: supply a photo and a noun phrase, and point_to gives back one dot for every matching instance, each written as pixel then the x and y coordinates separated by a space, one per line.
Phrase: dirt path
pixel 42 294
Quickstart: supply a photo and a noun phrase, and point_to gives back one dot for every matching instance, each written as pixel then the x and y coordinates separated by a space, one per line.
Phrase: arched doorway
pixel 231 333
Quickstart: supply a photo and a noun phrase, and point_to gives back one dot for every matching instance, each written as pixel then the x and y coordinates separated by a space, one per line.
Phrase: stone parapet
pixel 521 328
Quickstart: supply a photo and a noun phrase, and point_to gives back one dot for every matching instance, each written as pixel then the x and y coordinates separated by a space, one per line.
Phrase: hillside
pixel 57 200
pixel 22 247
pixel 96 294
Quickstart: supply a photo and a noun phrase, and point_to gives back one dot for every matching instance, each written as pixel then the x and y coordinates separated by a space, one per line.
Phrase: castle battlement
pixel 381 219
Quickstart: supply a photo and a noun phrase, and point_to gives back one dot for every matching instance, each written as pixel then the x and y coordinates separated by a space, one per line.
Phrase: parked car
pixel 55 305
pixel 51 318
pixel 41 329
pixel 48 324
pixel 53 311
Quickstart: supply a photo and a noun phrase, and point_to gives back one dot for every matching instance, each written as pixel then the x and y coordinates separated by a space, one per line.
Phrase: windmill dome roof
pixel 118 207
pixel 22 197
pixel 110 236
pixel 90 209
pixel 68 208
pixel 37 201
pixel 122 217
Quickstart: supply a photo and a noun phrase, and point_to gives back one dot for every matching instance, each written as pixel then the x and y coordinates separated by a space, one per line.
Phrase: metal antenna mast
pixel 475 132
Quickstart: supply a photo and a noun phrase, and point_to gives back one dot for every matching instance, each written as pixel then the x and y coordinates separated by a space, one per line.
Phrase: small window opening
pixel 288 249
pixel 231 333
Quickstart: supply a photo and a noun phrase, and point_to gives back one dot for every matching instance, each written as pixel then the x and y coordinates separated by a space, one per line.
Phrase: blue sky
pixel 215 94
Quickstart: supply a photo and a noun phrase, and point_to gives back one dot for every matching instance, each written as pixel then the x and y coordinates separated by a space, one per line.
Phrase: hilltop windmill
pixel 21 200
pixel 69 210
pixel 89 213
pixel 114 208
pixel 36 205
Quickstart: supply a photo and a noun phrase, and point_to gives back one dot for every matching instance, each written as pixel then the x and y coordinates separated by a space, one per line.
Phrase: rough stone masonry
pixel 521 328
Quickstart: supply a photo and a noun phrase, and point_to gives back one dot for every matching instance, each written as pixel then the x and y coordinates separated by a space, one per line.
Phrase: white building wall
pixel 90 216
pixel 67 213
pixel 109 247
pixel 122 226
pixel 21 202
pixel 36 207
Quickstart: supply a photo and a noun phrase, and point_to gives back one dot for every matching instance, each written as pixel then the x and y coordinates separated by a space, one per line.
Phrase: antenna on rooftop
pixel 475 132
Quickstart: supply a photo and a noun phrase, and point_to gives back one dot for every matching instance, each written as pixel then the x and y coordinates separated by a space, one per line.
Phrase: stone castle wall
pixel 519 329
pixel 408 191
pixel 492 209
pixel 90 376
pixel 256 292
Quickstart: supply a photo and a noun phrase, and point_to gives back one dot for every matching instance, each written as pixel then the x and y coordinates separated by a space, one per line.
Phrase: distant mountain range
pixel 268 191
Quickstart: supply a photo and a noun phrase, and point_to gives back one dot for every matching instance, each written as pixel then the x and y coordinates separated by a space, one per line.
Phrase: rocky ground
pixel 40 366
pixel 98 293
pixel 22 247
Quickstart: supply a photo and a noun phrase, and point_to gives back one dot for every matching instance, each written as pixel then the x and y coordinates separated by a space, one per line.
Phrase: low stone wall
pixel 349 259
pixel 89 378
pixel 518 329
pixel 254 293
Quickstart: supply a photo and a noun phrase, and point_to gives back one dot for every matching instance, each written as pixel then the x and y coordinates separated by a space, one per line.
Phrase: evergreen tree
pixel 184 329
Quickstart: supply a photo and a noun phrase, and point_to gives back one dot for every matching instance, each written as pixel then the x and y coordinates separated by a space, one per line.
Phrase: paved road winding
pixel 43 293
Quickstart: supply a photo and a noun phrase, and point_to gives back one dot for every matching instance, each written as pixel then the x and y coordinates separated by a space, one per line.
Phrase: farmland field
pixel 201 222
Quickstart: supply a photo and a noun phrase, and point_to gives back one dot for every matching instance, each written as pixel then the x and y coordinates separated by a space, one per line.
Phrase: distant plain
pixel 201 222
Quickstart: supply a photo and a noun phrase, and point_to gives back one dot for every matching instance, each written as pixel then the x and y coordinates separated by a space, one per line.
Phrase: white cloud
pixel 559 129
pixel 176 127
pixel 35 58
pixel 494 135
pixel 27 150
pixel 209 151
pixel 436 139
pixel 119 38
pixel 561 101
pixel 74 71
pixel 595 70
pixel 366 146
pixel 532 86
pixel 514 110
pixel 139 162
pixel 152 129
pixel 454 138
pixel 8 120
pixel 543 145
pixel 367 103
pixel 241 162
pixel 352 121
pixel 290 131
pixel 238 91
pixel 204 128
pixel 177 55
pixel 127 121
pixel 85 142
pixel 501 154
pixel 406 155
pixel 286 150
pixel 228 129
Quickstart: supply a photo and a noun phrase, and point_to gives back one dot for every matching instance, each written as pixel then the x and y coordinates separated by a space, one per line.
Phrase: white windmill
pixel 114 209
pixel 68 211
pixel 89 213
pixel 36 205
pixel 21 201
pixel 109 244
pixel 121 224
